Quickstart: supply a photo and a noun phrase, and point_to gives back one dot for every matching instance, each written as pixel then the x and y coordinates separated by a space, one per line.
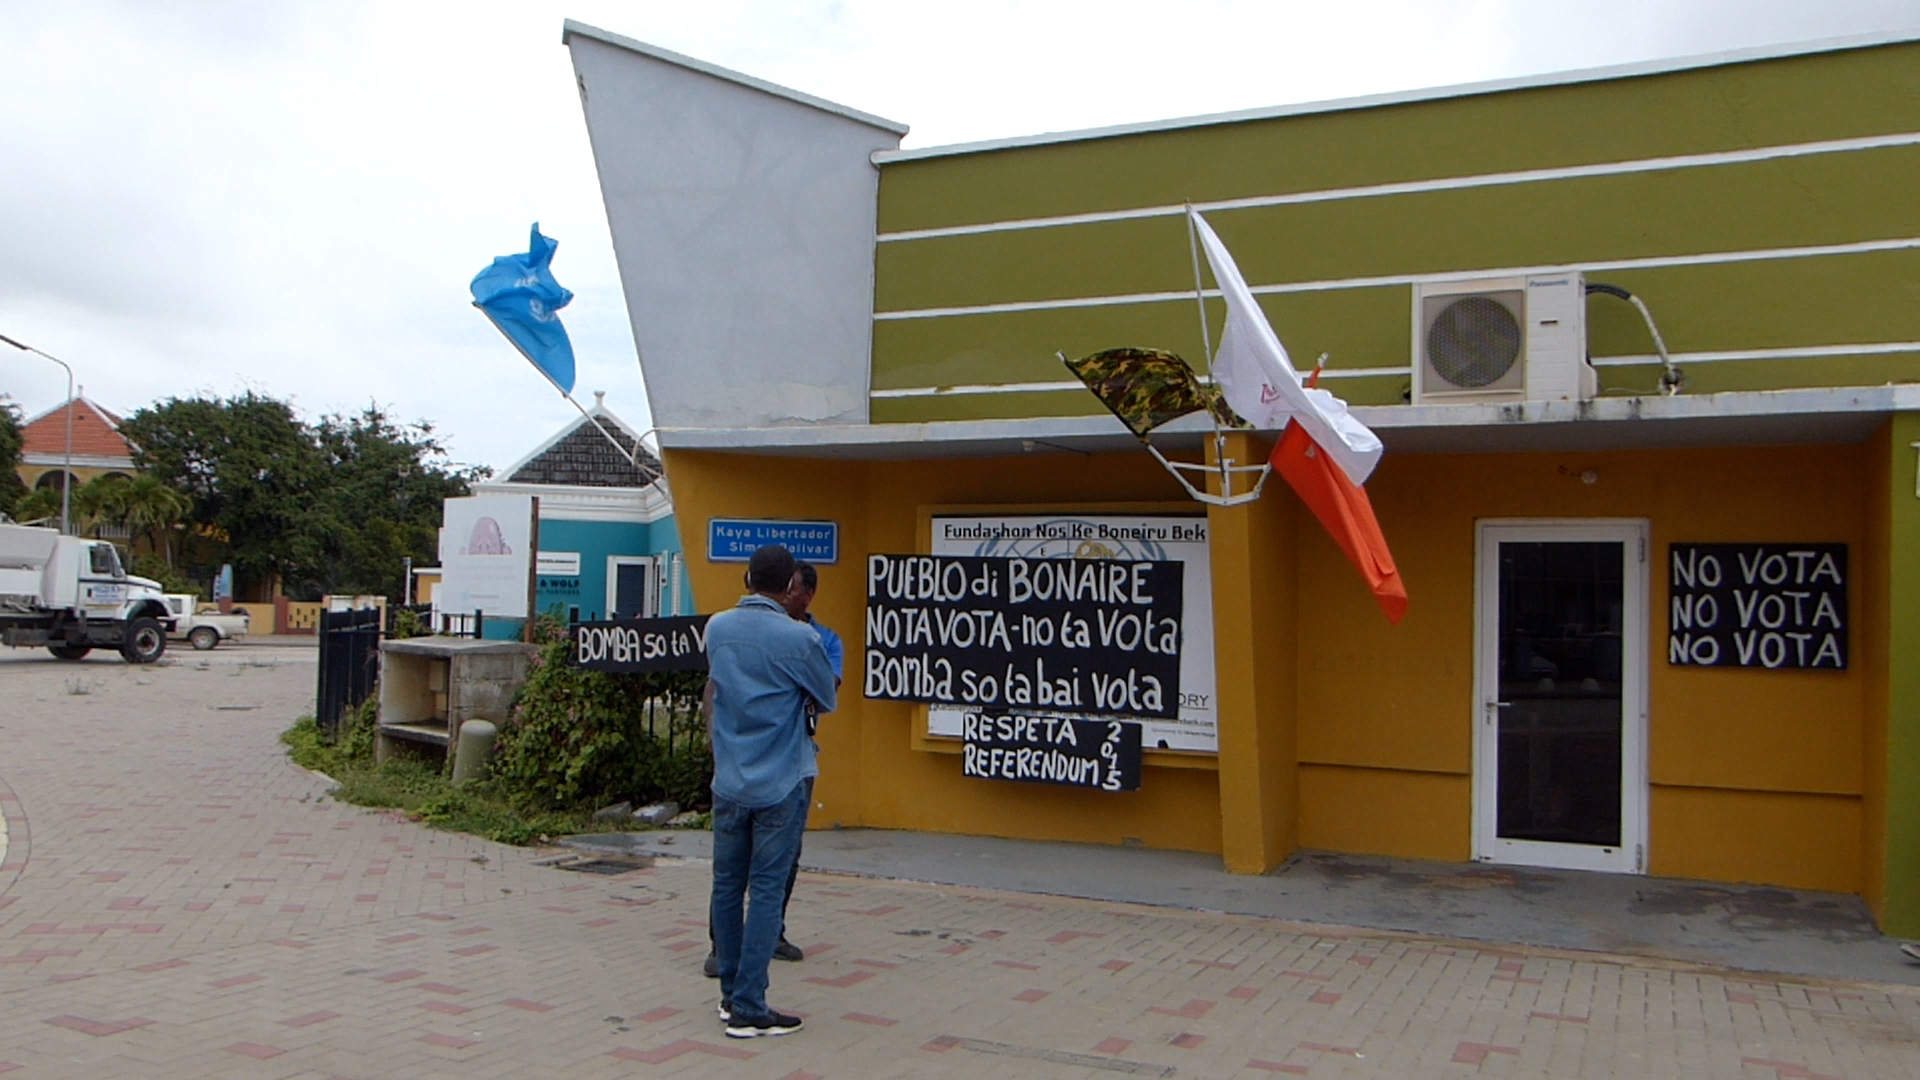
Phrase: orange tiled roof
pixel 96 432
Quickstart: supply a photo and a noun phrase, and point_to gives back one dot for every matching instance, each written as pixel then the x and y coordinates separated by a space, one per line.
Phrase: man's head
pixel 801 597
pixel 772 572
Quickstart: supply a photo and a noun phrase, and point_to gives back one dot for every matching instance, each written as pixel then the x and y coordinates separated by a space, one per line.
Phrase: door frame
pixel 650 601
pixel 1630 857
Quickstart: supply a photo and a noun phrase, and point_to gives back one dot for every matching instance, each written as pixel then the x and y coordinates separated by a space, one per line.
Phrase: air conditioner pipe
pixel 1671 379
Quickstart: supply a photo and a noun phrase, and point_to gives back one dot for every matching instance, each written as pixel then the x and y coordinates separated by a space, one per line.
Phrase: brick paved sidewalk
pixel 178 901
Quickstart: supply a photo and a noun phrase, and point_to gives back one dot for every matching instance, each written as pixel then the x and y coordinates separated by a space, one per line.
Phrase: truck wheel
pixel 145 641
pixel 69 652
pixel 203 638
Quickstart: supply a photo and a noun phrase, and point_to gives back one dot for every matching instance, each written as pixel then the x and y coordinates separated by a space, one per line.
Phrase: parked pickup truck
pixel 202 624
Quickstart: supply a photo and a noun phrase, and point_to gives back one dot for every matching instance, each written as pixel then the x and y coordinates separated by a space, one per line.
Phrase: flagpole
pixel 1206 342
pixel 632 458
pixel 1199 291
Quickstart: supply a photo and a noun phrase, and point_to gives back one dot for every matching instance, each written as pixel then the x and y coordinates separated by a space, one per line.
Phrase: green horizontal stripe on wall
pixel 1020 346
pixel 1757 206
pixel 1729 375
pixel 1620 381
pixel 1767 103
pixel 1790 303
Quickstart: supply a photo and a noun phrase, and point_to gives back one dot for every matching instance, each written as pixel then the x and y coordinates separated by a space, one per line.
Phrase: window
pixel 100 559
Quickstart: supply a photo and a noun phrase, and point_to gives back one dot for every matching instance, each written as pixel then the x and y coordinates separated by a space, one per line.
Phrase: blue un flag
pixel 519 294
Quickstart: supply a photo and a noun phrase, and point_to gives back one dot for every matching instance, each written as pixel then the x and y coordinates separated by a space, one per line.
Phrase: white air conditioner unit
pixel 1502 339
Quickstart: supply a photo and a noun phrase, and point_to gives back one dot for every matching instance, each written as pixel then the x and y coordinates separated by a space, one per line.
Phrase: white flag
pixel 1253 372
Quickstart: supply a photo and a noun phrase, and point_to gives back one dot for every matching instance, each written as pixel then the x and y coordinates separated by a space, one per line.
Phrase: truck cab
pixel 72 595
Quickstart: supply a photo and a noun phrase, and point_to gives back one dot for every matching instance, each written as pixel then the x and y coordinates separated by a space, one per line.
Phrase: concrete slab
pixel 1751 928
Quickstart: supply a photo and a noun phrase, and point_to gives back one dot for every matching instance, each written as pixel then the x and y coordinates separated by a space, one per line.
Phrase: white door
pixel 1560 717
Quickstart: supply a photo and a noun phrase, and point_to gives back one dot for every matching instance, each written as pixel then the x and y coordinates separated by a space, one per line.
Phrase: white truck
pixel 203 625
pixel 71 595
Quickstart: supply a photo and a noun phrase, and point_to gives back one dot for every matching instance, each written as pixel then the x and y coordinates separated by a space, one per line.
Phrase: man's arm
pixel 810 669
pixel 706 708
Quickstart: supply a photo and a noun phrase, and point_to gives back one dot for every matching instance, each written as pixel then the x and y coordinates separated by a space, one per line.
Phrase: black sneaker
pixel 741 1027
pixel 788 951
pixel 711 969
pixel 726 1008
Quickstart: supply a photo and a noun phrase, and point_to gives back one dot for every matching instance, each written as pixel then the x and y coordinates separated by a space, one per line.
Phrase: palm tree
pixel 40 504
pixel 99 502
pixel 152 507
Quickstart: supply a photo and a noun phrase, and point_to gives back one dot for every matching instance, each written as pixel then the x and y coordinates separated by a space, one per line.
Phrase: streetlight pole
pixel 66 469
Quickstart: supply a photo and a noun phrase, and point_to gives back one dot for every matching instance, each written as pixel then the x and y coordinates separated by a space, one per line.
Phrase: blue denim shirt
pixel 764 667
pixel 836 652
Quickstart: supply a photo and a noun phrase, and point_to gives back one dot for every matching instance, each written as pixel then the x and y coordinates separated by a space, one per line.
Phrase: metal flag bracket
pixel 1222 467
pixel 1180 393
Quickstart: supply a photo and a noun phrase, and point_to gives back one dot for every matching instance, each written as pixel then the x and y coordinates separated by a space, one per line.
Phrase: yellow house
pixel 1664 568
pixel 97 448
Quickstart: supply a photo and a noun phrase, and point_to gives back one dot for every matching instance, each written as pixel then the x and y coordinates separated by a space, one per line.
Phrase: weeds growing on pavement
pixel 417 787
pixel 574 741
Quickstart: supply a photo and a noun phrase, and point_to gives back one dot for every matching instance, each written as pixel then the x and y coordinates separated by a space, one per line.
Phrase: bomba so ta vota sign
pixel 636 646
pixel 1015 635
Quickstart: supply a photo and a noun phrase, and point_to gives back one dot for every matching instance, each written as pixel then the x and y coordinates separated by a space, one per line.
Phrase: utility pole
pixel 66 469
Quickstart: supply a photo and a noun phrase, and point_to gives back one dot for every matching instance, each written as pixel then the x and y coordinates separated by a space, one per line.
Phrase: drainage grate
pixel 603 866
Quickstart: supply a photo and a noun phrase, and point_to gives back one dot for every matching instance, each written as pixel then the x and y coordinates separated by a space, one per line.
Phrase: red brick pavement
pixel 191 906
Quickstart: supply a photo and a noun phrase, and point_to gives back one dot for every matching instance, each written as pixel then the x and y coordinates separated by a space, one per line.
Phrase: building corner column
pixel 1895 777
pixel 1255 617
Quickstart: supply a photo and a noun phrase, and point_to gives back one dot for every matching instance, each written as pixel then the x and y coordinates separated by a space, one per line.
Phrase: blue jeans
pixel 753 852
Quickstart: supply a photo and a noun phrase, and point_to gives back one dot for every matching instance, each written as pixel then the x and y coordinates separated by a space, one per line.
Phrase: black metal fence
pixel 349 664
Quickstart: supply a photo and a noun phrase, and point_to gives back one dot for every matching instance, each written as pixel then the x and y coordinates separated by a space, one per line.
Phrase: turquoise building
pixel 608 546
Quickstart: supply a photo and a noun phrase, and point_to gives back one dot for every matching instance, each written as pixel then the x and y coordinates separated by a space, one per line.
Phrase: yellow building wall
pixel 1773 759
pixel 1338 731
pixel 870 774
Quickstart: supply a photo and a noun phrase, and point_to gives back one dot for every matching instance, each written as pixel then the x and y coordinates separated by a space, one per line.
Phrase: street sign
pixel 735 539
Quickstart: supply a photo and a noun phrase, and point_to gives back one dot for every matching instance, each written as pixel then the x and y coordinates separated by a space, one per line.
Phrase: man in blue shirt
pixel 764 671
pixel 797 604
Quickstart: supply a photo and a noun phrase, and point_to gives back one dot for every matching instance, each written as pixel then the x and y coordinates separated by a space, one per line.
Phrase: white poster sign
pixel 559 564
pixel 1155 537
pixel 485 554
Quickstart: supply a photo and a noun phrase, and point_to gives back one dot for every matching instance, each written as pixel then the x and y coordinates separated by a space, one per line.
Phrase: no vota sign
pixel 633 646
pixel 1015 634
pixel 1757 605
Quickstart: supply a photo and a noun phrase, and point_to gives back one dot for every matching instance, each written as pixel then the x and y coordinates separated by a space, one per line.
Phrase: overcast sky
pixel 206 196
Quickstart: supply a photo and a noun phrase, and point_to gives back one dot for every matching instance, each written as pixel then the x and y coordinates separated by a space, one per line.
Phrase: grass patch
pixel 417 788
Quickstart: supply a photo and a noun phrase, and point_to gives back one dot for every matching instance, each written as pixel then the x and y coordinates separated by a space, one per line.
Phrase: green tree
pixel 11 489
pixel 333 507
pixel 153 509
pixel 387 481
pixel 143 504
pixel 41 504
pixel 251 471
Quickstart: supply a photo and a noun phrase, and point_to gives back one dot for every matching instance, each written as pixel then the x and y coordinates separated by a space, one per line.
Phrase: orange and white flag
pixel 1324 453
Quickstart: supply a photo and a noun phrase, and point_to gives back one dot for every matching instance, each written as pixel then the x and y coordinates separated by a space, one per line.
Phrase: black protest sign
pixel 1096 636
pixel 1757 605
pixel 632 646
pixel 1099 754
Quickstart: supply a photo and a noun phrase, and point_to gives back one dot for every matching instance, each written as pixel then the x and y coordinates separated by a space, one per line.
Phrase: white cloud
pixel 292 197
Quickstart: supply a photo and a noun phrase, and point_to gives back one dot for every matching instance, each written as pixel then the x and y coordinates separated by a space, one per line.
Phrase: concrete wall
pixel 743 219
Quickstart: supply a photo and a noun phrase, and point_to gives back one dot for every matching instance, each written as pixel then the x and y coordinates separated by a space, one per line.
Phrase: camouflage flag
pixel 1145 388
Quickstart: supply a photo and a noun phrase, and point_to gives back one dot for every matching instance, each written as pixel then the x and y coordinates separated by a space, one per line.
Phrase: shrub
pixel 577 737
